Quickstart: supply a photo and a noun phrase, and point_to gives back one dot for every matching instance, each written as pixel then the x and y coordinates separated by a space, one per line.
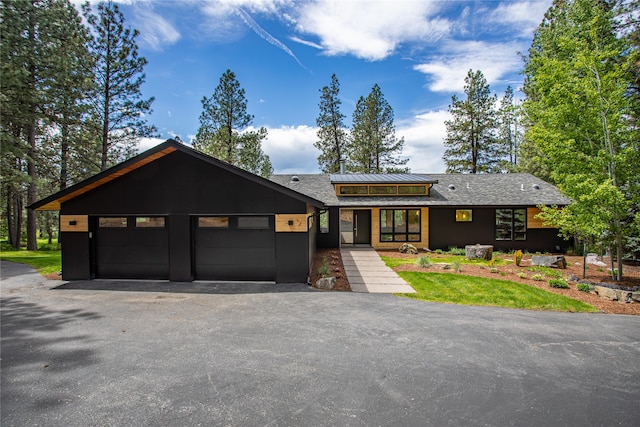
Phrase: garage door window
pixel 213 222
pixel 112 222
pixel 149 222
pixel 253 222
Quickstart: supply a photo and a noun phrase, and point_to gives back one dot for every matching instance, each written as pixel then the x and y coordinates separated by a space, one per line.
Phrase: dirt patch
pixel 334 259
pixel 510 272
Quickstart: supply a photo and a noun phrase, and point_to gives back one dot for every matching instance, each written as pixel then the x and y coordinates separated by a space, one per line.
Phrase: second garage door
pixel 234 248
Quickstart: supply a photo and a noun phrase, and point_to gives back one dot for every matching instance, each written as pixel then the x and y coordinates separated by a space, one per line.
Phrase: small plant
pixel 558 283
pixel 424 261
pixel 584 287
pixel 457 265
pixel 538 277
pixel 457 251
pixel 517 257
pixel 493 270
pixel 522 275
pixel 324 270
pixel 492 262
pixel 439 251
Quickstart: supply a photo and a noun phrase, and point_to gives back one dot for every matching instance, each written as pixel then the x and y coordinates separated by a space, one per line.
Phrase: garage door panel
pixel 132 253
pixel 234 254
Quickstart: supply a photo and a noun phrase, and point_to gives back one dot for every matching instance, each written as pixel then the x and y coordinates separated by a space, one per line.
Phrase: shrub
pixel 439 251
pixel 456 251
pixel 558 283
pixel 517 257
pixel 492 262
pixel 522 275
pixel 538 277
pixel 324 270
pixel 493 270
pixel 457 265
pixel 584 287
pixel 424 261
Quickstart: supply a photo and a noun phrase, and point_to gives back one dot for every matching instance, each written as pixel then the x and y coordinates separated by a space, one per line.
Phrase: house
pixel 173 213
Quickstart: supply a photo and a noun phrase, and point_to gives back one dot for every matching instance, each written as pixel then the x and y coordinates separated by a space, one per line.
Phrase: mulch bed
pixel 334 259
pixel 510 272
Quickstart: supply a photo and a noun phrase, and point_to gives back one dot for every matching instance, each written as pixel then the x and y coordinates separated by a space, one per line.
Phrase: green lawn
pixel 448 259
pixel 469 290
pixel 46 260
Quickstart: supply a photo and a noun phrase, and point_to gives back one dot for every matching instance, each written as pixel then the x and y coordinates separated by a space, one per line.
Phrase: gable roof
pixel 447 190
pixel 54 201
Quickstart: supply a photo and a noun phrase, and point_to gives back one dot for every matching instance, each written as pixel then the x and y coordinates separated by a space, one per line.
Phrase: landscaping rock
pixel 479 252
pixel 326 283
pixel 573 278
pixel 407 248
pixel 593 259
pixel 553 261
pixel 606 293
pixel 635 296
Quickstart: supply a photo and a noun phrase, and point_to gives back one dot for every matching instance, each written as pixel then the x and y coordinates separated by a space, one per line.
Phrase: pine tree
pixel 509 129
pixel 373 146
pixel 332 136
pixel 119 109
pixel 471 142
pixel 223 131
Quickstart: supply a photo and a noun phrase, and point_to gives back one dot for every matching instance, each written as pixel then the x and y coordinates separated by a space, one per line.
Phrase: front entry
pixel 355 227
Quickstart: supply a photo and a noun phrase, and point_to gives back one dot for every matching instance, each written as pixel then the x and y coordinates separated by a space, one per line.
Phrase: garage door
pixel 234 248
pixel 131 248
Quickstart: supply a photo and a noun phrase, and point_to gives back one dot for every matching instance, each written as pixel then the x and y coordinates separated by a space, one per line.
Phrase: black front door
pixel 362 227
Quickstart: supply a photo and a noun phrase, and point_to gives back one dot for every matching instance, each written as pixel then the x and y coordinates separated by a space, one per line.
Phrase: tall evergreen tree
pixel 224 132
pixel 578 75
pixel 509 128
pixel 332 134
pixel 119 108
pixel 373 146
pixel 471 143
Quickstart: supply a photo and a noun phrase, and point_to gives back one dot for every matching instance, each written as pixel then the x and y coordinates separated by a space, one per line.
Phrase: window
pixel 383 189
pixel 353 190
pixel 511 224
pixel 112 222
pixel 213 222
pixel 464 215
pixel 324 221
pixel 400 225
pixel 253 222
pixel 149 222
pixel 412 189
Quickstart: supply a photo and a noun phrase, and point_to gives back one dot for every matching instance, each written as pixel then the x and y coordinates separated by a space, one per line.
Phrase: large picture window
pixel 511 224
pixel 400 225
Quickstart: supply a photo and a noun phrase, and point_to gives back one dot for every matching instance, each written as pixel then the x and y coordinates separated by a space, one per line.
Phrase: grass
pixel 445 259
pixel 46 260
pixel 469 290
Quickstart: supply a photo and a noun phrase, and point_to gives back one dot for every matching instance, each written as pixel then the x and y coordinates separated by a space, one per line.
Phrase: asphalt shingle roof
pixel 450 190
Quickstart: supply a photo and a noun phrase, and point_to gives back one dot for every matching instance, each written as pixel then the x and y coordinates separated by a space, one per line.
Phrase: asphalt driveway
pixel 97 356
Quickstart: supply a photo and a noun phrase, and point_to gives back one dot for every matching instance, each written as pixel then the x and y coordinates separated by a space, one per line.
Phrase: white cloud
pixel 526 15
pixel 291 150
pixel 447 71
pixel 371 30
pixel 155 31
pixel 423 141
pixel 147 143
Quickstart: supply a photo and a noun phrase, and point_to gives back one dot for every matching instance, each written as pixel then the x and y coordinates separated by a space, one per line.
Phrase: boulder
pixel 593 259
pixel 635 296
pixel 326 283
pixel 606 293
pixel 553 261
pixel 407 248
pixel 479 252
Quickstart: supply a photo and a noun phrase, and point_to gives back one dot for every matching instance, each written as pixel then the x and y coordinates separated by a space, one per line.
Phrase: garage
pixel 131 247
pixel 240 247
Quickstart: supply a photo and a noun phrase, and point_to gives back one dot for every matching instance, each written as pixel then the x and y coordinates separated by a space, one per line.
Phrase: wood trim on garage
pixel 74 223
pixel 291 223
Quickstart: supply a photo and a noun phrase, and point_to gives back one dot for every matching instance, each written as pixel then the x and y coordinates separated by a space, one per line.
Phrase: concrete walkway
pixel 366 272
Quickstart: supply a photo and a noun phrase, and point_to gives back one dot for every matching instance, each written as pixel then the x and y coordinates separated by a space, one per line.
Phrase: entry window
pixel 112 222
pixel 511 224
pixel 150 222
pixel 400 225
pixel 253 222
pixel 464 215
pixel 324 222
pixel 213 222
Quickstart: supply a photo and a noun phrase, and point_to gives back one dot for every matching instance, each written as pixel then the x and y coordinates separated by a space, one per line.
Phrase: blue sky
pixel 283 52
